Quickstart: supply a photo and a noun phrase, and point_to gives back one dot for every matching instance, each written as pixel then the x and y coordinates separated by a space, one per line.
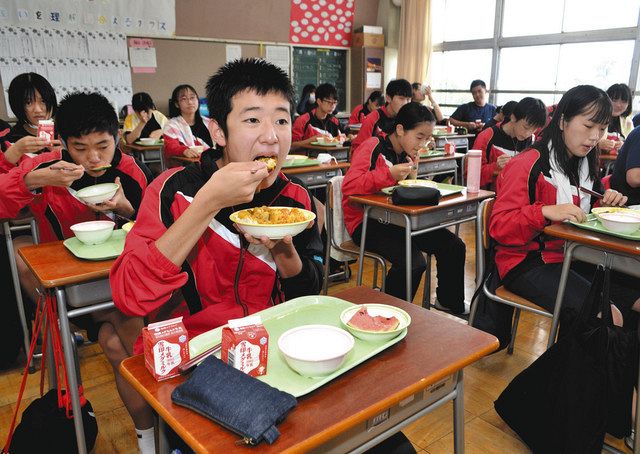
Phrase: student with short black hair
pixel 475 114
pixel 383 161
pixel 501 142
pixel 358 114
pixel 502 112
pixel 184 256
pixel 320 121
pixel 620 124
pixel 145 121
pixel 397 94
pixel 187 128
pixel 31 98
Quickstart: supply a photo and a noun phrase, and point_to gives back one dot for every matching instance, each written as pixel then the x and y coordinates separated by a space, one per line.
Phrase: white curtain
pixel 415 40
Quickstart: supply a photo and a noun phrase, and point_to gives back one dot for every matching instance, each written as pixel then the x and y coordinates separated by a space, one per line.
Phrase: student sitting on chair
pixel 187 128
pixel 32 98
pixel 540 186
pixel 185 256
pixel 500 143
pixel 320 122
pixel 397 94
pixel 358 114
pixel 626 172
pixel 145 121
pixel 420 93
pixel 381 162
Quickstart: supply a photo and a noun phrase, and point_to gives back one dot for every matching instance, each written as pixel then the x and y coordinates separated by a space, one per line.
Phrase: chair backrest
pixel 483 238
pixel 336 231
pixel 606 182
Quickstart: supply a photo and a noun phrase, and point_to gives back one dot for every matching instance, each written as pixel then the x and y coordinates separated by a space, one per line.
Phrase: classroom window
pixel 528 68
pixel 580 15
pixel 459 20
pixel 546 98
pixel 456 69
pixel 599 64
pixel 539 18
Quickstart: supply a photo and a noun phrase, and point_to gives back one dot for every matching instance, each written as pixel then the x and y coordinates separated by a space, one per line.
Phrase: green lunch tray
pixel 445 189
pixel 432 154
pixel 592 223
pixel 324 144
pixel 110 249
pixel 300 163
pixel 306 310
pixel 152 144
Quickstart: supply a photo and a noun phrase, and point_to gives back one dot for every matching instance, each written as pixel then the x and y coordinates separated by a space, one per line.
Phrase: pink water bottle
pixel 474 163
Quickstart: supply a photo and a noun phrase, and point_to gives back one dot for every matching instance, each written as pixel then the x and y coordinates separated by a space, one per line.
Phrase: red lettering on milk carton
pixel 46 130
pixel 166 346
pixel 245 345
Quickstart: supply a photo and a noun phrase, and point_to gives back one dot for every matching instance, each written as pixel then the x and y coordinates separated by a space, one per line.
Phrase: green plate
pixel 324 144
pixel 147 144
pixel 445 189
pixel 110 249
pixel 432 154
pixel 306 310
pixel 300 163
pixel 592 223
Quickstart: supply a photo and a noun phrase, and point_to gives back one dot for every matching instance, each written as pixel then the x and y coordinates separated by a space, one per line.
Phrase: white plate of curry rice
pixel 273 222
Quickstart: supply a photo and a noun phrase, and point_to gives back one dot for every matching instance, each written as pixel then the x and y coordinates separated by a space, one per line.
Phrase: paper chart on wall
pixel 71 60
pixel 279 56
pixel 233 52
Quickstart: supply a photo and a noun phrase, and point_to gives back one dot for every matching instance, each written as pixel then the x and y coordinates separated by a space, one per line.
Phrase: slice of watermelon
pixel 366 322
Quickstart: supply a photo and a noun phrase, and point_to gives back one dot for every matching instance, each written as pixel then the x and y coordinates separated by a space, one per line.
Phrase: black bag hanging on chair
pixel 578 389
pixel 47 423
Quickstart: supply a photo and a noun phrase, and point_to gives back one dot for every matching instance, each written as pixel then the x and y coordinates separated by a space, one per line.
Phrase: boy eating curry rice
pixel 184 257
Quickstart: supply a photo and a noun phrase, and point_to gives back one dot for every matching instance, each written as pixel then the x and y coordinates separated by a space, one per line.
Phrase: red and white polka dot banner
pixel 322 22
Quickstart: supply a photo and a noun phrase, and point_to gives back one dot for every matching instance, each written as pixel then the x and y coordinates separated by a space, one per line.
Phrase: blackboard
pixel 318 66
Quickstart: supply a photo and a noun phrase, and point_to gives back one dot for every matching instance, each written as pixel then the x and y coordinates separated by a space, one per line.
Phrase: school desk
pixel 358 409
pixel 440 165
pixel 461 141
pixel 340 152
pixel 318 175
pixel 147 154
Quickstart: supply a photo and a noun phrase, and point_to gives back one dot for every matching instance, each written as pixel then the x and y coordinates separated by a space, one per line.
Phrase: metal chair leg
pixel 514 330
pixel 426 294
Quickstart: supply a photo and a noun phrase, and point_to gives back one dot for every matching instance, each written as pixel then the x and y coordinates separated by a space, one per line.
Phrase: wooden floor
pixel 484 430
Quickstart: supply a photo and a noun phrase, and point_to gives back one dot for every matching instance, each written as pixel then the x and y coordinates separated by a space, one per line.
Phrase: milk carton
pixel 46 130
pixel 245 345
pixel 166 346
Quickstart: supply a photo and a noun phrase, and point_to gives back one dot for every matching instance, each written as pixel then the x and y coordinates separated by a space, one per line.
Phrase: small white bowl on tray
pixel 93 232
pixel 382 310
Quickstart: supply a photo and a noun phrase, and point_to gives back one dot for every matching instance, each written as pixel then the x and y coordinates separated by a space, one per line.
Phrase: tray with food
pixel 615 221
pixel 299 318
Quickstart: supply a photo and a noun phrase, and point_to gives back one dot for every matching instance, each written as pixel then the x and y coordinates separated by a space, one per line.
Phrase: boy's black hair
pixel 326 91
pixel 476 83
pixel 411 115
pixel 142 101
pixel 240 75
pixel 507 108
pixel 80 114
pixel 399 87
pixel 174 110
pixel 623 92
pixel 530 109
pixel 22 90
pixel 376 96
pixel 416 86
pixel 580 100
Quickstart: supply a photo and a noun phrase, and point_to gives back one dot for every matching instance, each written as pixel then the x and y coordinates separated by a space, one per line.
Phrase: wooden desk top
pixel 317 168
pixel 434 348
pixel 183 159
pixel 443 158
pixel 570 232
pixel 129 147
pixel 384 201
pixel 608 157
pixel 54 266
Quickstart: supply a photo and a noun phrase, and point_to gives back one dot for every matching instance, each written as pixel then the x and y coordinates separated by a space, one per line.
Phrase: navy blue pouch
pixel 236 401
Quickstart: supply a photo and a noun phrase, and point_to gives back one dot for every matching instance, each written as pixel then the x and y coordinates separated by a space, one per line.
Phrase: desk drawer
pixel 88 293
pixel 365 431
pixel 317 179
pixel 425 168
pixel 459 142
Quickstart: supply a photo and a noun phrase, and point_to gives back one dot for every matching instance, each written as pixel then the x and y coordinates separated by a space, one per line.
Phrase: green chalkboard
pixel 318 66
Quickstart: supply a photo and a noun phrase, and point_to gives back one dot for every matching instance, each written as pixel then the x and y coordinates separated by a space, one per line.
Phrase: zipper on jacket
pixel 236 282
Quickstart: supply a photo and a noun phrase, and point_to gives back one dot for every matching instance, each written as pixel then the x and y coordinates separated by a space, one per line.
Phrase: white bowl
pixel 418 183
pixel 374 310
pixel 620 222
pixel 148 141
pixel 315 350
pixel 273 231
pixel 97 193
pixel 93 232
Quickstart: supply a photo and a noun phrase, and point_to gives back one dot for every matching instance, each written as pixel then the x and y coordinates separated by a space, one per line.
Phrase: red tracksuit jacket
pixel 376 123
pixel 524 186
pixel 55 209
pixel 358 114
pixel 368 174
pixel 308 125
pixel 221 279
